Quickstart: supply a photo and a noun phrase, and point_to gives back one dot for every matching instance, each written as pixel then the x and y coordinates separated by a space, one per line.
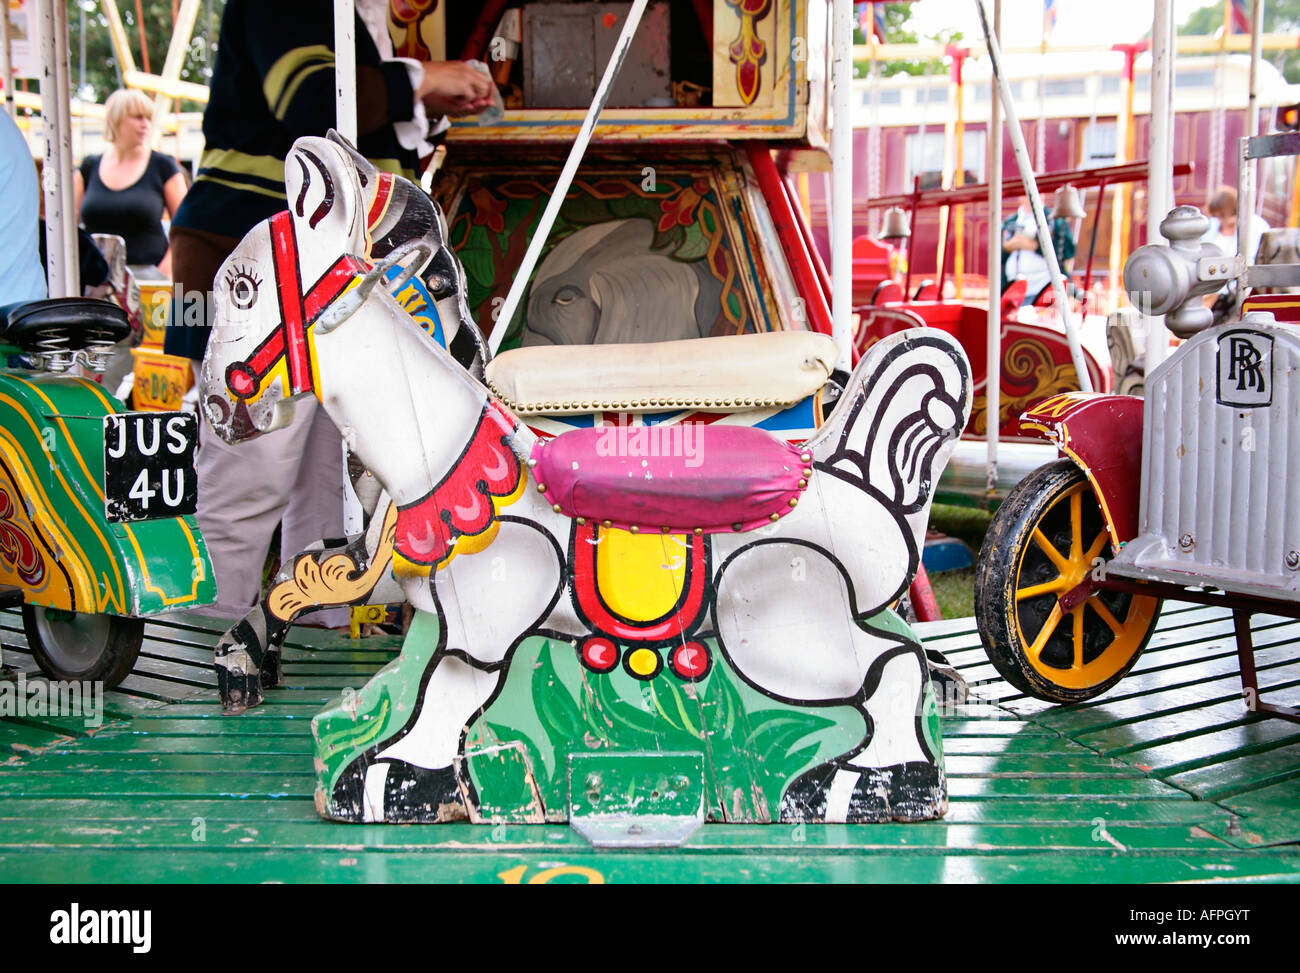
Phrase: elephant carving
pixel 605 284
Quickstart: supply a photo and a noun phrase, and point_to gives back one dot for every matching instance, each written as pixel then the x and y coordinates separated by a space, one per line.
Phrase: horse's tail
pixel 898 420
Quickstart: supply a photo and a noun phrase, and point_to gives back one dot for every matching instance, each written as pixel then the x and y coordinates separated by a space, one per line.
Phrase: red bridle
pixel 298 311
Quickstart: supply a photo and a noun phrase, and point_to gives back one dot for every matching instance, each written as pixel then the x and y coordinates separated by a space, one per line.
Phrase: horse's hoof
pixel 239 690
pixel 272 669
pixel 842 793
pixel 411 795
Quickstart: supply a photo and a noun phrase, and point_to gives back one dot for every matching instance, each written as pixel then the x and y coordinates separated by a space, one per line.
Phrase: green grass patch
pixel 955 590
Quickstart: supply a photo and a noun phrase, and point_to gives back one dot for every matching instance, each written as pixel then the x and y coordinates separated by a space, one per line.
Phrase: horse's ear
pixel 326 204
pixel 367 172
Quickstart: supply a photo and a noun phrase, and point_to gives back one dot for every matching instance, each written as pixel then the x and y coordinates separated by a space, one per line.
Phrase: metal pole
pixel 958 177
pixel 842 179
pixel 56 176
pixel 993 348
pixel 63 91
pixel 1246 205
pixel 1035 201
pixel 345 69
pixel 1119 214
pixel 1160 199
pixel 345 123
pixel 570 169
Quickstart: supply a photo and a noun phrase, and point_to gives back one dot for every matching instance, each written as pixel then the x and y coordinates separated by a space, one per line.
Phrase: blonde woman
pixel 128 189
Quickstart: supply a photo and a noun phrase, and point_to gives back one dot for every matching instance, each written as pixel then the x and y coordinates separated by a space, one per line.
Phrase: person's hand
pixel 1018 242
pixel 454 88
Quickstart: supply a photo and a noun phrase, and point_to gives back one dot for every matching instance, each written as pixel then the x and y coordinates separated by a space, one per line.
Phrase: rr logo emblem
pixel 1245 366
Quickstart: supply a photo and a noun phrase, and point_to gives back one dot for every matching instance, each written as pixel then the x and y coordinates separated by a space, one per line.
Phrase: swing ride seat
pixel 729 373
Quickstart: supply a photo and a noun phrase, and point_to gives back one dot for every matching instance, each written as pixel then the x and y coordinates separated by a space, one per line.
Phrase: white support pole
pixel 1026 167
pixel 525 271
pixel 63 91
pixel 1249 179
pixel 842 181
pixel 345 69
pixel 1160 190
pixel 993 370
pixel 56 180
pixel 345 123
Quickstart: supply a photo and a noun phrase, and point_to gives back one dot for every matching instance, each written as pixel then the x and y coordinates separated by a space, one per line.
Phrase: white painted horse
pixel 294 318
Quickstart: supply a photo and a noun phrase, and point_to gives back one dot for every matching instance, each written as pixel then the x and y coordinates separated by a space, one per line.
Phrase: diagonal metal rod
pixel 1035 201
pixel 570 169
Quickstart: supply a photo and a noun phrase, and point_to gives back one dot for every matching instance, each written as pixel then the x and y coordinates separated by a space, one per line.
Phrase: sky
pixel 1102 22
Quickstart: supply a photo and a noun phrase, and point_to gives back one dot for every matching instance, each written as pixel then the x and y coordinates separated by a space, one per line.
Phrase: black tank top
pixel 135 213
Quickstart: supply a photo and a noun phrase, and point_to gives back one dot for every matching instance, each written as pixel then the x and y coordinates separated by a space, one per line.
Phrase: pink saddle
pixel 683 478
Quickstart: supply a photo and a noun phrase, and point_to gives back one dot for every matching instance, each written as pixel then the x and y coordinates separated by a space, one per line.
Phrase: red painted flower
pixel 680 207
pixel 488 210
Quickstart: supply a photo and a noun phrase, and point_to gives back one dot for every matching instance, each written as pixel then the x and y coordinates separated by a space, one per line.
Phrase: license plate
pixel 149 465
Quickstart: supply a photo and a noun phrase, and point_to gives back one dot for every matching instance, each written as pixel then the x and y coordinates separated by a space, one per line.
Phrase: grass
pixel 955 590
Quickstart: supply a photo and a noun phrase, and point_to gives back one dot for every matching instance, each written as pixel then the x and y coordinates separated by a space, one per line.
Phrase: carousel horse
pixel 298 314
pixel 397 213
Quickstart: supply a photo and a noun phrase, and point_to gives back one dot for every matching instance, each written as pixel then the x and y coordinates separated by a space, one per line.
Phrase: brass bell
pixel 893 226
pixel 1067 205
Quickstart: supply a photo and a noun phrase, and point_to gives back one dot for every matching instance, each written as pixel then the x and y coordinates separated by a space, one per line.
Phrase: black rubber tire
pixel 111 644
pixel 1010 556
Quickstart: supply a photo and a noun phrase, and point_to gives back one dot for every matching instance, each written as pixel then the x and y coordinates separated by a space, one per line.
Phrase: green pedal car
pixel 96 503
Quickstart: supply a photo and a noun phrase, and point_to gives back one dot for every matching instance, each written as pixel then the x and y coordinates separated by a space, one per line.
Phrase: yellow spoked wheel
pixel 1045 540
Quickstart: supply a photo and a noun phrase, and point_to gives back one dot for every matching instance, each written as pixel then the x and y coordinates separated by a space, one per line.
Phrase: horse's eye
pixel 242 286
pixel 566 295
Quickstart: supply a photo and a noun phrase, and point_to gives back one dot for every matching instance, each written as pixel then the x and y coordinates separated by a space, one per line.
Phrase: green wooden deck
pixel 1165 779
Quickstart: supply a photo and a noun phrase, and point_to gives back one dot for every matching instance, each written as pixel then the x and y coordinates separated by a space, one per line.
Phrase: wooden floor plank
pixel 1164 779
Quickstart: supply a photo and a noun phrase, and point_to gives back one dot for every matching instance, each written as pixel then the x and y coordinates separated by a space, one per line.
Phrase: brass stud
pixel 666 529
pixel 775 517
pixel 556 508
pixel 606 523
pixel 698 531
pixel 541 488
pixel 582 521
pixel 802 484
pixel 808 471
pixel 806 457
pixel 532 462
pixel 794 501
pixel 635 529
pixel 737 527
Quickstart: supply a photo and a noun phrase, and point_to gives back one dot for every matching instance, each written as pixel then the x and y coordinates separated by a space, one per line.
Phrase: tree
pixel 95 71
pixel 897 16
pixel 1279 16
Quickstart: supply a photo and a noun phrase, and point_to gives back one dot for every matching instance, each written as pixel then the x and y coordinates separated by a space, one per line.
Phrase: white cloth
pixel 413 134
pixel 291 477
pixel 1228 242
pixel 1029 264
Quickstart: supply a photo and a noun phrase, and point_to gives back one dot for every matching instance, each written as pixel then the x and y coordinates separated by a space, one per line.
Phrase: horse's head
pixel 272 288
pixel 284 283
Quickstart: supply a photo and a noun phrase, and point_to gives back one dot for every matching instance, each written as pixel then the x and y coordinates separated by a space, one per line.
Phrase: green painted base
pixel 550 709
